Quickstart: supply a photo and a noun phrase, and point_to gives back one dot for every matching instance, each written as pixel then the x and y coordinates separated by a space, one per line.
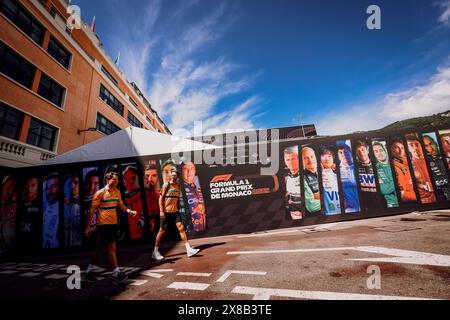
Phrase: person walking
pixel 169 204
pixel 105 202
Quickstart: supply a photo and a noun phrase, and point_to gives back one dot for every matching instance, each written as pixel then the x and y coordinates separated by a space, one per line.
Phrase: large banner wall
pixel 319 180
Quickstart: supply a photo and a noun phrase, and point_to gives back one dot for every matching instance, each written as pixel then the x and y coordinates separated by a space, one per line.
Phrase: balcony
pixel 15 154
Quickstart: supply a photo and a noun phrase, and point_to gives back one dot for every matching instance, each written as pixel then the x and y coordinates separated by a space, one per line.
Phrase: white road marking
pixel 21 266
pixel 125 270
pixel 98 278
pixel 8 272
pixel 405 256
pixel 56 276
pixel 128 270
pixel 230 272
pixel 8 265
pixel 162 270
pixel 322 227
pixel 266 293
pixel 30 274
pixel 49 268
pixel 31 266
pixel 149 273
pixel 289 251
pixel 188 286
pixel 25 267
pixel 193 274
pixel 400 256
pixel 267 234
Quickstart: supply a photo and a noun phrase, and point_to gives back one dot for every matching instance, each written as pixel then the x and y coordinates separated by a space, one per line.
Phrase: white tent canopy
pixel 129 142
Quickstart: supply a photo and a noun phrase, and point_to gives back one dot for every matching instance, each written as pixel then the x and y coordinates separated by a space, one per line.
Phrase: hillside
pixel 434 120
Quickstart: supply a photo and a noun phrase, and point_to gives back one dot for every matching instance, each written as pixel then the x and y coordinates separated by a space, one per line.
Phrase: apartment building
pixel 58 87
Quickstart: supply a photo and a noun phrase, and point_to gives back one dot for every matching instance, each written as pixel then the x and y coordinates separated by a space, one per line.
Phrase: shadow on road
pixel 202 248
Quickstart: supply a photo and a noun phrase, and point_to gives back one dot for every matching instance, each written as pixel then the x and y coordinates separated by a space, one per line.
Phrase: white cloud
pixel 445 15
pixel 135 39
pixel 237 119
pixel 430 98
pixel 181 88
pixel 185 90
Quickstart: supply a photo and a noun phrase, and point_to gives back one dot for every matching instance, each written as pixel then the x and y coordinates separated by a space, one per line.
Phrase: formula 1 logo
pixel 223 177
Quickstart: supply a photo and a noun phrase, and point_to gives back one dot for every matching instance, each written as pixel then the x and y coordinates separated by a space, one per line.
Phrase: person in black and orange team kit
pixel 105 202
pixel 169 205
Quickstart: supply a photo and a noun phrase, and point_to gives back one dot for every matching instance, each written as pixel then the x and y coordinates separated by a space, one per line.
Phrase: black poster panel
pixel 8 213
pixel 330 185
pixel 51 212
pixel 239 199
pixel 311 180
pixel 30 214
pixel 402 171
pixel 92 182
pixel 385 176
pixel 132 198
pixel 370 198
pixel 437 166
pixel 152 188
pixel 73 223
pixel 289 174
pixel 444 136
pixel 420 170
pixel 194 196
pixel 348 177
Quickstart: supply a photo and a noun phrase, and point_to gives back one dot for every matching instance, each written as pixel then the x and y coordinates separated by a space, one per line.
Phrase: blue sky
pixel 242 64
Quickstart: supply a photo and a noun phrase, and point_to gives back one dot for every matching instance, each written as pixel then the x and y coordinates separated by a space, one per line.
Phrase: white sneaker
pixel 191 252
pixel 157 256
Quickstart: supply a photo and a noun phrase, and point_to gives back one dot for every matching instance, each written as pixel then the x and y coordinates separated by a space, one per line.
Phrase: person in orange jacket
pixel 421 174
pixel 402 172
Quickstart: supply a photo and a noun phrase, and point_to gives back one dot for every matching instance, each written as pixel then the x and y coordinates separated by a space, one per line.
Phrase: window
pixel 110 100
pixel 106 126
pixel 53 11
pixel 51 90
pixel 134 103
pixel 57 51
pixel 16 67
pixel 41 135
pixel 109 75
pixel 149 121
pixel 147 104
pixel 134 121
pixel 10 122
pixel 22 19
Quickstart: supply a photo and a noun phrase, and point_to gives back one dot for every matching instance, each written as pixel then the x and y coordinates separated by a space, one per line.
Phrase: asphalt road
pixel 396 257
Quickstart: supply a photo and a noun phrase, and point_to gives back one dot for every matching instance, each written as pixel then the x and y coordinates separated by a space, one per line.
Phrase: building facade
pixel 58 87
